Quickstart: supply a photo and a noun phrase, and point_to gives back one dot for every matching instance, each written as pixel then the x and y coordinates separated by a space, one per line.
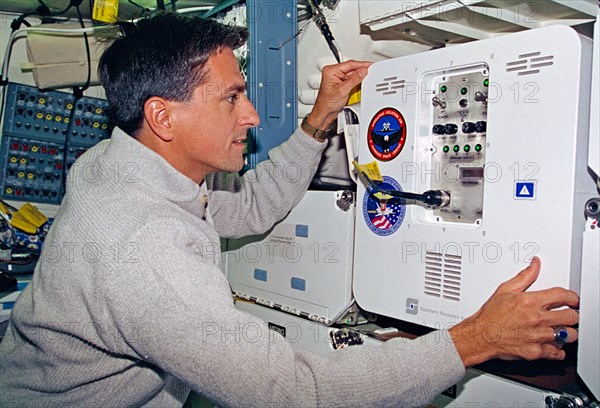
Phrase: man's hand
pixel 514 324
pixel 337 81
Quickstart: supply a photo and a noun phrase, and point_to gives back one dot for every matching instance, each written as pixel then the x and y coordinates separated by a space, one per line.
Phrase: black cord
pixel 137 5
pixel 321 22
pixel 87 52
pixel 3 101
pixel 15 25
pixel 63 11
pixel 434 198
pixel 173 5
pixel 78 93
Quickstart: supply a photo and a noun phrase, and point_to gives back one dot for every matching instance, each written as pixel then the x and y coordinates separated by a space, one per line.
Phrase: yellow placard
pixel 19 221
pixel 354 95
pixel 32 214
pixel 106 10
pixel 370 169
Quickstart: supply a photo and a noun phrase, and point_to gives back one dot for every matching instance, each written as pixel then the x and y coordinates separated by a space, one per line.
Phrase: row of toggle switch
pixel 467 127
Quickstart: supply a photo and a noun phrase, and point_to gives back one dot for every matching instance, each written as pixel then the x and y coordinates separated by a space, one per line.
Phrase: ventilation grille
pixel 442 275
pixel 529 64
pixel 389 86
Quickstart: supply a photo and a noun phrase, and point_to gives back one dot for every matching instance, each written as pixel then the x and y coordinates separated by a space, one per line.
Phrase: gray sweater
pixel 129 306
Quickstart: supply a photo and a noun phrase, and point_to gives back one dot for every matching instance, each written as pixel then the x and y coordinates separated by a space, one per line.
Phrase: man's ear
pixel 157 115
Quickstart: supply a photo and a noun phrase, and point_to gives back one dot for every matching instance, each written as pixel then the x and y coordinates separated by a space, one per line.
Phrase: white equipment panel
pixel 302 334
pixel 304 264
pixel 589 305
pixel 501 124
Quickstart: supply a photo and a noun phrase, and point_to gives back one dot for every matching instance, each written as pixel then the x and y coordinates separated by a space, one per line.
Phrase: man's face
pixel 211 128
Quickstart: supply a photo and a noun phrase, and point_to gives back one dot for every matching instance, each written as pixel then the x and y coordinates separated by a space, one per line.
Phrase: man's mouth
pixel 240 141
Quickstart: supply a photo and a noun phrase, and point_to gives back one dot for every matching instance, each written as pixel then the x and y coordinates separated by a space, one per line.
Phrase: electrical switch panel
pixel 42 136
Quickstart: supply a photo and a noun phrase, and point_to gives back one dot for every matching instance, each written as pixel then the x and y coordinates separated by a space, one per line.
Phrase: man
pixel 129 306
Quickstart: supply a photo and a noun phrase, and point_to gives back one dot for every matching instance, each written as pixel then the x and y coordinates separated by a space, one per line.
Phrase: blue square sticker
pixel 525 190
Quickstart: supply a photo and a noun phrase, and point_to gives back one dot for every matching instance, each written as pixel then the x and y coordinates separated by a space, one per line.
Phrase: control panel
pixel 456 143
pixel 42 136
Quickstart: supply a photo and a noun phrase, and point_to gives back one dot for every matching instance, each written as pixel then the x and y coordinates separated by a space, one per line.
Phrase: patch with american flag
pixel 384 217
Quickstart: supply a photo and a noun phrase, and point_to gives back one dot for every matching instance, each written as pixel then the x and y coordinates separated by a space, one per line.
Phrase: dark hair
pixel 163 55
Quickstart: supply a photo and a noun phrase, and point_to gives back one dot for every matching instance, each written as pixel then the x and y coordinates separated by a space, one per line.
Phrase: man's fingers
pixel 523 279
pixel 555 298
pixel 552 352
pixel 353 79
pixel 348 66
pixel 563 317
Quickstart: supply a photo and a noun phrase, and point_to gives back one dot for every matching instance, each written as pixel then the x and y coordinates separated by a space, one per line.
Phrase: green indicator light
pixel 463 91
pixel 467 148
pixel 478 148
pixel 443 88
pixel 446 149
pixel 486 82
pixel 456 148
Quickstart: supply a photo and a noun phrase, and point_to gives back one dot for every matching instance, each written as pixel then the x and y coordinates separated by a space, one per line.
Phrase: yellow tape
pixel 106 10
pixel 19 221
pixel 354 95
pixel 371 170
pixel 32 215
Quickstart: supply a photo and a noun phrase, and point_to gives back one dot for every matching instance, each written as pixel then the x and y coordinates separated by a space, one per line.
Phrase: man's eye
pixel 232 98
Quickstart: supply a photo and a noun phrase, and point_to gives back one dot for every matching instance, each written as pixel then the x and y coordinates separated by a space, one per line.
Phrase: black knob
pixel 468 127
pixel 450 129
pixel 481 126
pixel 438 129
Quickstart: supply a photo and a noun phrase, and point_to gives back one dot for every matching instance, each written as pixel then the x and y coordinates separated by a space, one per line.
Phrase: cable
pixel 78 93
pixel 145 9
pixel 193 9
pixel 87 53
pixel 72 3
pixel 434 198
pixel 321 22
pixel 220 7
pixel 173 5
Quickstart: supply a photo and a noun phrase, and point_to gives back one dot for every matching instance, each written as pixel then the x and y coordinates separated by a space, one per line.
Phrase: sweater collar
pixel 144 165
